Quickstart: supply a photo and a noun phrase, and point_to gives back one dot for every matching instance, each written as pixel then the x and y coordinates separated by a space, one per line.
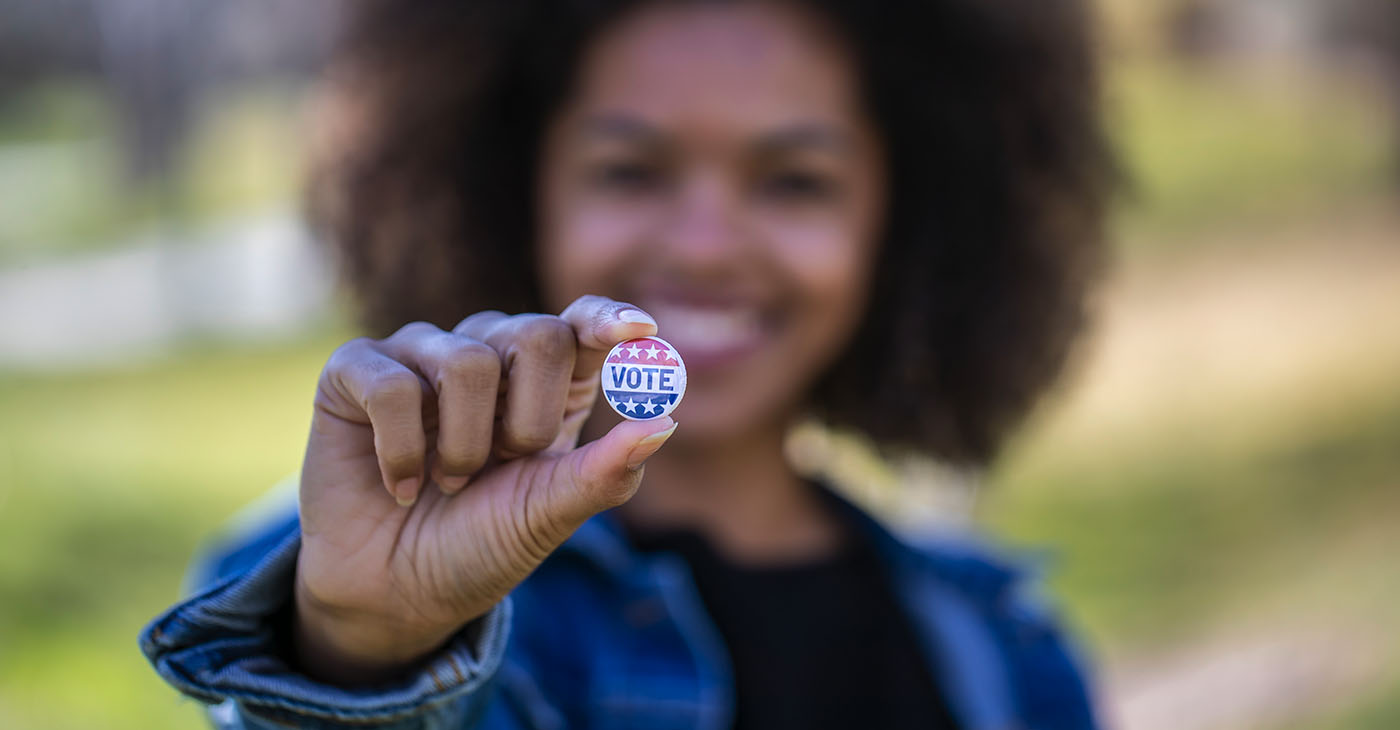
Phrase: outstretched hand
pixel 443 467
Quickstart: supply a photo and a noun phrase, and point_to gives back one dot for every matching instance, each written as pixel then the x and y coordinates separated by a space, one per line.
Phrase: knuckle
pixel 613 493
pixel 547 336
pixel 586 301
pixel 414 330
pixel 538 531
pixel 394 387
pixel 472 362
pixel 347 356
pixel 607 491
pixel 478 318
pixel 580 307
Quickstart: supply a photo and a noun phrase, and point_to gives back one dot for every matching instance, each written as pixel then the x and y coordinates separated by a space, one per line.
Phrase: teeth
pixel 706 328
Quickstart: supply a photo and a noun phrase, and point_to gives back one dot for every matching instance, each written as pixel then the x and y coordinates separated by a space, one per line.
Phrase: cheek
pixel 828 265
pixel 585 248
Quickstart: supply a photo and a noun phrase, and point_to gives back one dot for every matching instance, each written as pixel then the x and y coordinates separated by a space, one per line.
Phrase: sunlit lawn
pixel 109 483
pixel 1259 146
pixel 1154 550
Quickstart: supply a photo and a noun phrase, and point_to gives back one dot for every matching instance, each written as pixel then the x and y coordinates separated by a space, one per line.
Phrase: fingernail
pixel 648 446
pixel 406 491
pixel 635 316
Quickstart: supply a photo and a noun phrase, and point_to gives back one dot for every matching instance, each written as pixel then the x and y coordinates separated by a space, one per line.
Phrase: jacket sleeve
pixel 223 646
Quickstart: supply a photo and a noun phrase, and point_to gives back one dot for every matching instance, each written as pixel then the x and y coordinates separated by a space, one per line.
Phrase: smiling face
pixel 715 167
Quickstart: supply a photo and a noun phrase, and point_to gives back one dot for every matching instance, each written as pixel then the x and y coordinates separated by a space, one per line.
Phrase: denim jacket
pixel 601 636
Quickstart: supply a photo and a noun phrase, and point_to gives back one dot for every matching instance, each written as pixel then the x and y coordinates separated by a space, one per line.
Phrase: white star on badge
pixel 651 353
pixel 633 349
pixel 616 403
pixel 629 404
pixel 648 407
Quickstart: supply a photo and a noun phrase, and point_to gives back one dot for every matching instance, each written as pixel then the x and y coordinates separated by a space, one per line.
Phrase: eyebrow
pixel 802 135
pixel 622 127
pixel 807 135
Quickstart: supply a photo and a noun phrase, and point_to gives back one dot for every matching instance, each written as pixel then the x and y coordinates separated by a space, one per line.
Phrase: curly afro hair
pixel 999 179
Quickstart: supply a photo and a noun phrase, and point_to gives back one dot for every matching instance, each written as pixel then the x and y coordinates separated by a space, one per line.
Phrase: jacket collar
pixel 963 563
pixel 949 589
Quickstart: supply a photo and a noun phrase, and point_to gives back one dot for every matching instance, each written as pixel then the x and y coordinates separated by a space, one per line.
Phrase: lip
pixel 704 360
pixel 711 334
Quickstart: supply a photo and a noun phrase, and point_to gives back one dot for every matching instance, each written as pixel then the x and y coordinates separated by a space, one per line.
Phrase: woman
pixel 885 217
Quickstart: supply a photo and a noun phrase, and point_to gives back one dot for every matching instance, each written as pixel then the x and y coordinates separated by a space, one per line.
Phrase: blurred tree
pixel 1369 30
pixel 153 55
pixel 41 39
pixel 158 59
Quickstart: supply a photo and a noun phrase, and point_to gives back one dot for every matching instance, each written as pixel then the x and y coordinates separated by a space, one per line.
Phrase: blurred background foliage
pixel 1213 490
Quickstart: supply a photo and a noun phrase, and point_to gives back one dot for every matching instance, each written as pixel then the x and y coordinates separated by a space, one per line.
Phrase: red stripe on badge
pixel 642 351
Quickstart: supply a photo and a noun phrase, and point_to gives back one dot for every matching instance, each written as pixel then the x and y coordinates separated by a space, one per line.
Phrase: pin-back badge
pixel 643 378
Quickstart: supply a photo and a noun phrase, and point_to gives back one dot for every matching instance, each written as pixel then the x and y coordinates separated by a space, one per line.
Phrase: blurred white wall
pixel 261 277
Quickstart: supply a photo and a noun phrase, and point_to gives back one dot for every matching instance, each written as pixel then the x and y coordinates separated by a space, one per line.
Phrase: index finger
pixel 599 323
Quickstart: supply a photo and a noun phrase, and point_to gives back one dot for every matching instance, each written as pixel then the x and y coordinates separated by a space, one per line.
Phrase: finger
pixel 389 396
pixel 605 473
pixel 465 376
pixel 599 323
pixel 538 354
pixel 479 325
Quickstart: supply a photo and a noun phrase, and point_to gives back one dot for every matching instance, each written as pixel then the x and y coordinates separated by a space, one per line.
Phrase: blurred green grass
pixel 1151 544
pixel 1203 148
pixel 110 481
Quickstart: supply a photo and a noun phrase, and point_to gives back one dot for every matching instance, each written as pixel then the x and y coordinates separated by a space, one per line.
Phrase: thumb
pixel 606 473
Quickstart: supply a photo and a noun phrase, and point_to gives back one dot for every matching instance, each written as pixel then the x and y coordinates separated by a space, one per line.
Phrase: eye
pixel 627 176
pixel 797 186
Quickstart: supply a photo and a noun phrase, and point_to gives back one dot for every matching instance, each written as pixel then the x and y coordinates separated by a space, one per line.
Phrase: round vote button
pixel 643 378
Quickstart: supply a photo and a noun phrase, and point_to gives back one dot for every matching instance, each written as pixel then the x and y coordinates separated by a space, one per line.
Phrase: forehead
pixel 751 65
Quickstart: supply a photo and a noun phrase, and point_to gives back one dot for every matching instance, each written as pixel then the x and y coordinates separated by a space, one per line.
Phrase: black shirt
pixel 815 645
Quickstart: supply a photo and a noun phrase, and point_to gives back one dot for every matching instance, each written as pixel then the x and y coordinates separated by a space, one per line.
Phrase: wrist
pixel 348 647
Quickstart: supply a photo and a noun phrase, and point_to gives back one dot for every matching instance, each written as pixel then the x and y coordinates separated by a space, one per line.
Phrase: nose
pixel 701 228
